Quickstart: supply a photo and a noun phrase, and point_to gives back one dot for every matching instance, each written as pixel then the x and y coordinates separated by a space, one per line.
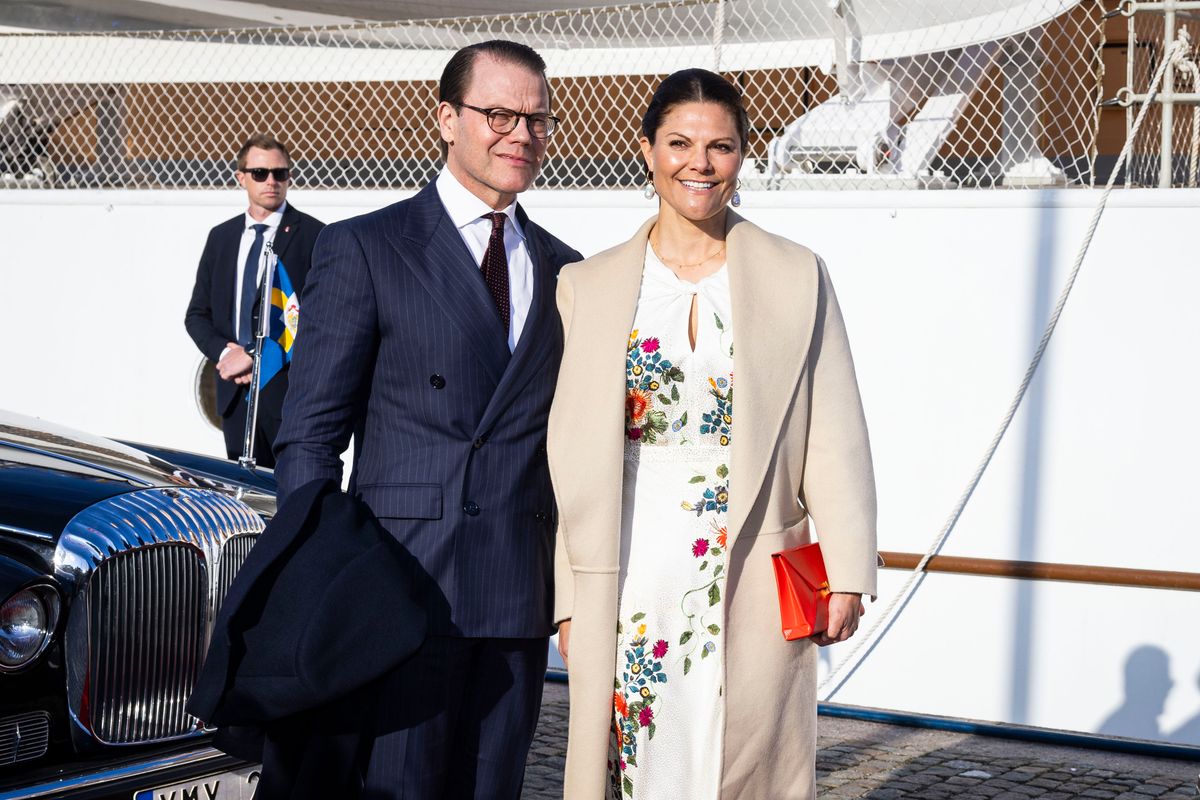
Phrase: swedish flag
pixel 284 314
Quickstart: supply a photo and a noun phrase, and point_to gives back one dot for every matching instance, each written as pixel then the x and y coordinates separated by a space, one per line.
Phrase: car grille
pixel 233 555
pixel 154 567
pixel 24 736
pixel 147 610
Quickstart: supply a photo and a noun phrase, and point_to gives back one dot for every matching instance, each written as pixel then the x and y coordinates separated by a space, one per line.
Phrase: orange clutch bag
pixel 803 591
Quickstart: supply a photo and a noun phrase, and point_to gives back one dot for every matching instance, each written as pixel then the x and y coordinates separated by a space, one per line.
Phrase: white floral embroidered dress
pixel 668 705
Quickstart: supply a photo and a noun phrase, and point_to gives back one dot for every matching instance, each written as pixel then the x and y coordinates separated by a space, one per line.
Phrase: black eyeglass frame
pixel 259 174
pixel 552 121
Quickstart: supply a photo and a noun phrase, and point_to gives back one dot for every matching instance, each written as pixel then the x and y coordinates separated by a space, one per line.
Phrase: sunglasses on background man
pixel 259 174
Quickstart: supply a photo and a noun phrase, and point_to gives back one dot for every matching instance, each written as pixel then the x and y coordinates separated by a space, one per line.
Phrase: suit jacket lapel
pixel 542 335
pixel 228 270
pixel 286 233
pixel 774 309
pixel 431 246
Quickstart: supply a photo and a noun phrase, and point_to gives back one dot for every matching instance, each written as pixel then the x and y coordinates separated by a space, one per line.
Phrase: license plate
pixel 234 785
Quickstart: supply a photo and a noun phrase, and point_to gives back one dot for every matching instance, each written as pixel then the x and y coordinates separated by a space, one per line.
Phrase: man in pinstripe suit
pixel 431 336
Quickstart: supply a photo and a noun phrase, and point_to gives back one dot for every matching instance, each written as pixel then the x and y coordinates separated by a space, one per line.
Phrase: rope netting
pixel 856 93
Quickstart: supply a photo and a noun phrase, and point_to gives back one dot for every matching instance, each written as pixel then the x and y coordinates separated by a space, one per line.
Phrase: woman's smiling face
pixel 695 158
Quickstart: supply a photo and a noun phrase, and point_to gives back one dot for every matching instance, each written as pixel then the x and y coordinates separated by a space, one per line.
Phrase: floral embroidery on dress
pixel 721 328
pixel 719 421
pixel 634 697
pixel 647 376
pixel 714 498
pixel 711 551
pixel 666 735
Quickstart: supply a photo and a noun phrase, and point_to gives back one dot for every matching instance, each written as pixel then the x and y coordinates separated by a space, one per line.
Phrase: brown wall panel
pixel 1112 119
pixel 1114 57
pixel 774 99
pixel 74 140
pixel 316 120
pixel 601 115
pixel 1116 29
pixel 1070 81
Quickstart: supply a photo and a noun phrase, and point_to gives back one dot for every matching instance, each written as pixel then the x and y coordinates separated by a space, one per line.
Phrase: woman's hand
pixel 845 608
pixel 564 637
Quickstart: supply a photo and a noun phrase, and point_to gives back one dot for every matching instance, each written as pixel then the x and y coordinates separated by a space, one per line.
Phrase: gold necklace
pixel 680 265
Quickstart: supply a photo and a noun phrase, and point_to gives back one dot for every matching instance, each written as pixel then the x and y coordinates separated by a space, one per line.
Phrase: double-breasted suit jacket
pixel 401 347
pixel 800 452
pixel 209 317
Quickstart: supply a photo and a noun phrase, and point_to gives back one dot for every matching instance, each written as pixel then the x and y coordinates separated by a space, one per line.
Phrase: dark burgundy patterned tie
pixel 495 266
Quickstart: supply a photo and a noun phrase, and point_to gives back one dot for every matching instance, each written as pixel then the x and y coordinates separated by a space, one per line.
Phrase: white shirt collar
pixel 465 208
pixel 272 221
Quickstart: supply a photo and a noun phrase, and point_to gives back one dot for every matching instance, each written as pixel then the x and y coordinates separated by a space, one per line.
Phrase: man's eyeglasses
pixel 504 120
pixel 259 174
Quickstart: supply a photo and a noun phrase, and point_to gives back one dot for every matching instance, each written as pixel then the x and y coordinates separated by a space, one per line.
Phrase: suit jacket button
pixel 471 508
pixel 479 442
pixel 437 381
pixel 541 516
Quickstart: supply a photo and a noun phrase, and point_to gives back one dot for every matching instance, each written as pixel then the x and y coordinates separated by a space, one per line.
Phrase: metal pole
pixel 1166 155
pixel 718 35
pixel 1179 98
pixel 1131 8
pixel 1130 52
pixel 260 334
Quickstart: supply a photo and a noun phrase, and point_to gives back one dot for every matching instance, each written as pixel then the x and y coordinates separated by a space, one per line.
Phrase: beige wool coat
pixel 799 451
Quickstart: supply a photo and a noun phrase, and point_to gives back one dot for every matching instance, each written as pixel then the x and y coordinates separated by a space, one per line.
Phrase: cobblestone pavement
pixel 889 762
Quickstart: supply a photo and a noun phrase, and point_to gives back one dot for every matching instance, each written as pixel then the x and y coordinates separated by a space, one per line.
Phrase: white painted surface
pixel 944 294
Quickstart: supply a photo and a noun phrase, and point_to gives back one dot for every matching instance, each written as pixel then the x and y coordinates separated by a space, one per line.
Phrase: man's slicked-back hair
pixel 457 74
pixel 262 141
pixel 456 77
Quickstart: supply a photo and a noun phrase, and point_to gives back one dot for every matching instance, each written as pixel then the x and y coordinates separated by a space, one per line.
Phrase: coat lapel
pixel 774 304
pixel 591 391
pixel 431 246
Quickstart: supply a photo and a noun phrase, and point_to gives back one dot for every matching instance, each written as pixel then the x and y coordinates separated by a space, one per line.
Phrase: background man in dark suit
pixel 223 312
pixel 431 335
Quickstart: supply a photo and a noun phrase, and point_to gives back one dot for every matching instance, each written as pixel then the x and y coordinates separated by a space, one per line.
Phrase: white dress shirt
pixel 272 222
pixel 466 212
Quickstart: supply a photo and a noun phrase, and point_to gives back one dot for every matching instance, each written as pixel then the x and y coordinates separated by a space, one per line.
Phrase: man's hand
pixel 845 608
pixel 236 365
pixel 564 637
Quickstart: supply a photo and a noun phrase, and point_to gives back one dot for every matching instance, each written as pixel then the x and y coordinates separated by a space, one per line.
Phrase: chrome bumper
pixel 136 774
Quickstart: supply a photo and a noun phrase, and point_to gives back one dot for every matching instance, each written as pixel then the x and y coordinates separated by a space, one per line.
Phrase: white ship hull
pixel 945 295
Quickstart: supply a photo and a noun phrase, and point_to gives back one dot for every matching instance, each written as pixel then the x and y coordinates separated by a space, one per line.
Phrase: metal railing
pixel 1047 571
pixel 1167 153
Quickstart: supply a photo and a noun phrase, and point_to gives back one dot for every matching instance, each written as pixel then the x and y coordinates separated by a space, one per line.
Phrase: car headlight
pixel 27 620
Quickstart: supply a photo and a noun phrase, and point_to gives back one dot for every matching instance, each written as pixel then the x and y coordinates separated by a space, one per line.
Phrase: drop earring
pixel 648 192
pixel 736 200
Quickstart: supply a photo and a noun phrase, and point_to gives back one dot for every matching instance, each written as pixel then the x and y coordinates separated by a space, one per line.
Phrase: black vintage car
pixel 114 560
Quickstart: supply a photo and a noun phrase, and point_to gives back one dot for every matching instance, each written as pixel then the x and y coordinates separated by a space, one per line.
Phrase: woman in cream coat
pixel 798 463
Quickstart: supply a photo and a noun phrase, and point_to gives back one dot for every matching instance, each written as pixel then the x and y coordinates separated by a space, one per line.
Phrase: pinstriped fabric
pixel 459 721
pixel 400 346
